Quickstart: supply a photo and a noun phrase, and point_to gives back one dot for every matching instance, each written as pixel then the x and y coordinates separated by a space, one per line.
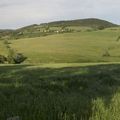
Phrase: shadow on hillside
pixel 72 88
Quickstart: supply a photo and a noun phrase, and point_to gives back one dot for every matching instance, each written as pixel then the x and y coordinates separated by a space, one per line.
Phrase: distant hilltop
pixel 55 27
pixel 89 22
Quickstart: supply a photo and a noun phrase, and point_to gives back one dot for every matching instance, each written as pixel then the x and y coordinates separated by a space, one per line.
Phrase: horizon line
pixel 50 21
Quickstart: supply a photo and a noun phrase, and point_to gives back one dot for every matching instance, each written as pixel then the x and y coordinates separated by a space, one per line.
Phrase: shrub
pixel 118 39
pixel 6 42
pixel 15 58
pixel 3 59
pixel 19 58
pixel 106 54
pixel 11 54
pixel 101 27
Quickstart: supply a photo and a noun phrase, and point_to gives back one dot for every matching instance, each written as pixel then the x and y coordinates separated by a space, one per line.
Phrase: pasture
pixel 78 47
pixel 66 77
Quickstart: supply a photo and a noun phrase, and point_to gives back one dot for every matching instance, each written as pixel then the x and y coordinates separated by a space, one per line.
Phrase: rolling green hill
pixel 74 47
pixel 55 27
pixel 71 47
pixel 72 72
pixel 90 22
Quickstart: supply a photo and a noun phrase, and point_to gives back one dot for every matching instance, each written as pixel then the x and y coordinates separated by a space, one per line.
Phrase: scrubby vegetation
pixel 11 57
pixel 15 58
pixel 3 59
pixel 106 54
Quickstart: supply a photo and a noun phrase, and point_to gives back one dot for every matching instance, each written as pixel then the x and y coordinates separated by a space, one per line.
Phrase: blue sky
pixel 18 13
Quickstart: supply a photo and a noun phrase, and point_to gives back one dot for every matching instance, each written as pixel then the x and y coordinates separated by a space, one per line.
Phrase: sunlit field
pixel 68 76
pixel 71 47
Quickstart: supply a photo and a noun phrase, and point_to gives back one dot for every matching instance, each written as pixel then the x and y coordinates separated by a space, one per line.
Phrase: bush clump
pixel 100 27
pixel 3 59
pixel 15 58
pixel 19 58
pixel 106 54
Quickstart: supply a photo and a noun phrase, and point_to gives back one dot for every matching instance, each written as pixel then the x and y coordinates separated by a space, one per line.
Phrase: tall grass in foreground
pixel 102 112
pixel 69 93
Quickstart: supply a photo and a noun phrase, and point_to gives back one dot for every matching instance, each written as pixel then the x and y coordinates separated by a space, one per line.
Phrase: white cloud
pixel 14 13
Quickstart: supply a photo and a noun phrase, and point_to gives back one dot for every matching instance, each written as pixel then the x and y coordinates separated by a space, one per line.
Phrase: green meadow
pixel 3 50
pixel 60 91
pixel 71 47
pixel 67 76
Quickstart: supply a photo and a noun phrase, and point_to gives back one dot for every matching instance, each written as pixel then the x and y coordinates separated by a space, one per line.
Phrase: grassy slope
pixel 60 93
pixel 66 91
pixel 71 47
pixel 3 50
pixel 35 30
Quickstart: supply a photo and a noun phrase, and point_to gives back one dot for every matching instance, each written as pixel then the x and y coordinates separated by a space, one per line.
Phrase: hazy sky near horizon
pixel 18 13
